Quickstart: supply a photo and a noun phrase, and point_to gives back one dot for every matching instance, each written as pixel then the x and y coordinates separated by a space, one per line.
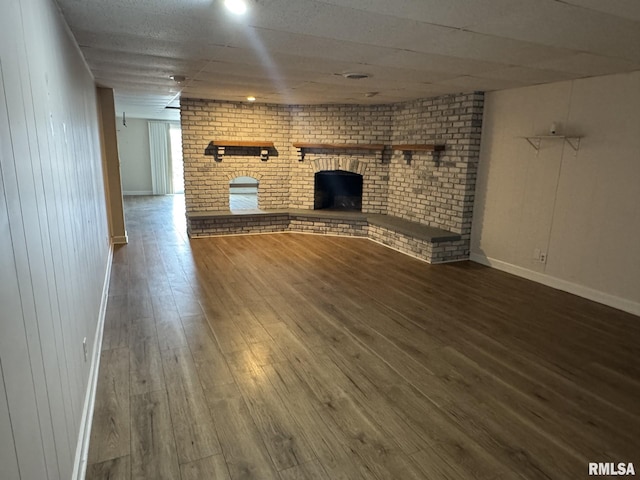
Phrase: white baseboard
pixel 559 284
pixel 82 448
pixel 137 192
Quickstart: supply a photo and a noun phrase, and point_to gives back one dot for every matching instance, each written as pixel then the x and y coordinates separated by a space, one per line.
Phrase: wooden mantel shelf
pixel 421 147
pixel 336 146
pixel 339 146
pixel 241 143
pixel 409 148
pixel 220 146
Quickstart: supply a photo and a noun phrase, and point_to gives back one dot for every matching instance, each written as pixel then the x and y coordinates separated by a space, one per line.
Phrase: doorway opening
pixel 243 193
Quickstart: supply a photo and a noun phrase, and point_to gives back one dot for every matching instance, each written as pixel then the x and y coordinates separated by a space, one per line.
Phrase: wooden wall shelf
pixel 409 148
pixel 422 147
pixel 335 146
pixel 240 143
pixel 220 146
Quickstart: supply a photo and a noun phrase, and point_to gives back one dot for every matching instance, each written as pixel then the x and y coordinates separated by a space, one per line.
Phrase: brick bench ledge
pixel 412 229
pixel 395 224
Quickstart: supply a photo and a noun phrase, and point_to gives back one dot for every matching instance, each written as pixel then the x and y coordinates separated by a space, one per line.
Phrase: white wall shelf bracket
pixel 536 140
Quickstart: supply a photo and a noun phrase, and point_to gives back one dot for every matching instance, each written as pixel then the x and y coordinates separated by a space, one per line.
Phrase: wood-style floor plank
pixel 330 446
pixel 242 445
pixel 116 323
pixel 145 366
pixel 168 324
pixel 153 448
pixel 213 467
pixel 116 469
pixel 281 436
pixel 294 356
pixel 110 437
pixel 194 432
pixel 306 471
pixel 209 361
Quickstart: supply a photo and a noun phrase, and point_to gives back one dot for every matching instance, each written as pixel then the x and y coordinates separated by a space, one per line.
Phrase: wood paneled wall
pixel 54 240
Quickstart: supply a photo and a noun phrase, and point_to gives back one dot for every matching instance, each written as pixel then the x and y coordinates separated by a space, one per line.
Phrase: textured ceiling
pixel 293 51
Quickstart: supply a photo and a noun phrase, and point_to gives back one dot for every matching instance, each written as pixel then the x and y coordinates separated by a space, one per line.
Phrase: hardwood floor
pixel 295 357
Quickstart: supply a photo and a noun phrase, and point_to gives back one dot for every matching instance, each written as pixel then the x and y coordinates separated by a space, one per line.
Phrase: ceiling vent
pixel 355 75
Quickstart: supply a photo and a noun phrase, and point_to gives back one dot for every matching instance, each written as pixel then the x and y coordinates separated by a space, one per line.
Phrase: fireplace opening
pixel 338 190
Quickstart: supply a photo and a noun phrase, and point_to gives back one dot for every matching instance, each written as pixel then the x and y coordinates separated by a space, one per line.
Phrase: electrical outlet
pixel 543 257
pixel 84 348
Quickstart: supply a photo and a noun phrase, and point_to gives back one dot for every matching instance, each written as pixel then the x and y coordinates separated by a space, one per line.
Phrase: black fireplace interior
pixel 338 190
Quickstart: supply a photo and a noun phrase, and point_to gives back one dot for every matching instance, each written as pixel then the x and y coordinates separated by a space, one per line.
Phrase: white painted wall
pixel 135 159
pixel 582 209
pixel 54 240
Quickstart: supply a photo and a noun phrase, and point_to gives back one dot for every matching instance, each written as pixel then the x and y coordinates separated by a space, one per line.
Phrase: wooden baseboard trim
pixel 120 239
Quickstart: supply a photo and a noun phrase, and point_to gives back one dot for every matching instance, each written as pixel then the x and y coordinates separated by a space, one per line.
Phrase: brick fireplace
pixel 419 188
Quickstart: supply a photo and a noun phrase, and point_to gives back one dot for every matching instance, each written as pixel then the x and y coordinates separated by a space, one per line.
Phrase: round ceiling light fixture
pixel 239 7
pixel 355 75
pixel 251 98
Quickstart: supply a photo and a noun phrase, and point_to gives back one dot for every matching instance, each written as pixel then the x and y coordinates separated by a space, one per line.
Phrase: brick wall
pixel 433 189
pixel 207 181
pixel 437 189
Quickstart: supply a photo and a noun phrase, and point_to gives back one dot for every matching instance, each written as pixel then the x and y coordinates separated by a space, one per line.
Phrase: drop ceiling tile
pixel 105 18
pixel 452 13
pixel 434 62
pixel 471 83
pixel 488 48
pixel 569 27
pixel 133 60
pixel 629 9
pixel 527 76
pixel 586 64
pixel 346 24
pixel 132 43
pixel 305 45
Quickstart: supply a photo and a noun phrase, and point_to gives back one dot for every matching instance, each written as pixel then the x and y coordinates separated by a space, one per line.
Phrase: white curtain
pixel 161 175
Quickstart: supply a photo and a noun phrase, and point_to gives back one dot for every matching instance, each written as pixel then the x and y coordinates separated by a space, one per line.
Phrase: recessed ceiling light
pixel 178 78
pixel 236 6
pixel 251 98
pixel 355 75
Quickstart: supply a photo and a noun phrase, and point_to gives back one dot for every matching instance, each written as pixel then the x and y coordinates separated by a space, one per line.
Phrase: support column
pixel 111 166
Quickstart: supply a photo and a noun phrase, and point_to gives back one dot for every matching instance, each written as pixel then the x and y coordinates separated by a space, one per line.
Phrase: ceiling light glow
pixel 251 98
pixel 238 7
